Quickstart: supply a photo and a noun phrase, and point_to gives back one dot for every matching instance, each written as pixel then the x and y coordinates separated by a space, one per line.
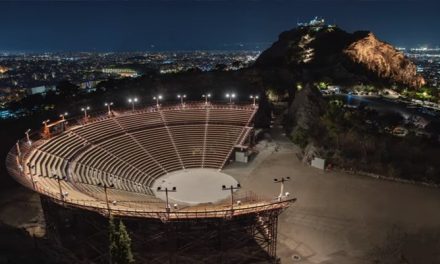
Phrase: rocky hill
pixel 328 53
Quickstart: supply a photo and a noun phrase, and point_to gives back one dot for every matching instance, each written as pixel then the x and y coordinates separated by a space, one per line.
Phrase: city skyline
pixel 115 26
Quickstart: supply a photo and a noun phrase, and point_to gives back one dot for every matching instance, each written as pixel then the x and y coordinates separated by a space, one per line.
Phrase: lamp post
pixel 230 96
pixel 63 116
pixel 30 167
pixel 17 145
pixel 232 188
pixel 132 101
pixel 106 195
pixel 157 98
pixel 282 181
pixel 254 98
pixel 85 109
pixel 45 122
pixel 109 110
pixel 63 120
pixel 166 190
pixel 46 128
pixel 206 96
pixel 59 178
pixel 181 97
pixel 27 137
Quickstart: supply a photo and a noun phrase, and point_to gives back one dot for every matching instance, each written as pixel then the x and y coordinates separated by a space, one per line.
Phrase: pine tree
pixel 126 256
pixel 113 236
pixel 119 243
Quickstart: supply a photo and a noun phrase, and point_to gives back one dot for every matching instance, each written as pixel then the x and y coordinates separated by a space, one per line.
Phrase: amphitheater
pixel 120 163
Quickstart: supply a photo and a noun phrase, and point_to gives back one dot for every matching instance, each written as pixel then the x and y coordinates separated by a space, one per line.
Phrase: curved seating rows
pixel 132 150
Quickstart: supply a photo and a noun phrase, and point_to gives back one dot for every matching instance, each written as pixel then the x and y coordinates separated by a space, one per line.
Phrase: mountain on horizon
pixel 319 52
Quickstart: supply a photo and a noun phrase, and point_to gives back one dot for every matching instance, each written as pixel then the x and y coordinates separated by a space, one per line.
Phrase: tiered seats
pixel 137 121
pixel 98 165
pixel 138 156
pixel 47 164
pixel 52 188
pixel 185 116
pixel 142 194
pixel 157 141
pixel 82 173
pixel 132 150
pixel 51 158
pixel 189 140
pixel 65 145
pixel 220 140
pixel 99 131
pixel 230 115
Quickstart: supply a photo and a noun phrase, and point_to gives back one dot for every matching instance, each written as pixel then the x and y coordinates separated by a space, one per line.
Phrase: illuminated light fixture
pixel 132 101
pixel 206 96
pixel 157 98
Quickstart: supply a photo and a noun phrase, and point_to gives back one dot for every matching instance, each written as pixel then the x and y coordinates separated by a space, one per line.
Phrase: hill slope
pixel 331 54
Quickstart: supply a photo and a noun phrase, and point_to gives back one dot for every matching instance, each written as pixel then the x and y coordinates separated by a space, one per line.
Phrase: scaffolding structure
pixel 248 238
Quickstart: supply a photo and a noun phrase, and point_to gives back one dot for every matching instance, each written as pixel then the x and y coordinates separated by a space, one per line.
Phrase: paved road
pixel 341 218
pixel 386 105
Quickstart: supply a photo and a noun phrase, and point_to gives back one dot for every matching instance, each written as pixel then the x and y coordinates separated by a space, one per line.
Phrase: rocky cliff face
pixel 384 60
pixel 329 53
pixel 306 109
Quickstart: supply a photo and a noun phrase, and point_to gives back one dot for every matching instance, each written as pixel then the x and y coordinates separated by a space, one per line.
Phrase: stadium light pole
pixel 282 181
pixel 206 96
pixel 106 195
pixel 181 97
pixel 27 137
pixel 232 189
pixel 85 109
pixel 157 98
pixel 166 190
pixel 230 96
pixel 132 101
pixel 109 110
pixel 254 98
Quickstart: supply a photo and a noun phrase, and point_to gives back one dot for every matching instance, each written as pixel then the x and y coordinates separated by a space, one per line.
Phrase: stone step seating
pixel 47 164
pixel 97 161
pixel 66 145
pixel 189 142
pixel 99 131
pixel 95 176
pixel 226 115
pixel 120 196
pixel 158 143
pixel 219 142
pixel 126 148
pixel 185 116
pixel 141 120
pixel 132 150
pixel 70 192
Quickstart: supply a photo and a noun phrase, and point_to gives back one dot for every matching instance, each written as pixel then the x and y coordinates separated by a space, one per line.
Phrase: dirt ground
pixel 20 208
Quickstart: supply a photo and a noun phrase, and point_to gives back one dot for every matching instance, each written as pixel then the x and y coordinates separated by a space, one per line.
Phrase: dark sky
pixel 188 25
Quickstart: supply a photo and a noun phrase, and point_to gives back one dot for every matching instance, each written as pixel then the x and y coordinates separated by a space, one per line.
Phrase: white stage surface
pixel 194 186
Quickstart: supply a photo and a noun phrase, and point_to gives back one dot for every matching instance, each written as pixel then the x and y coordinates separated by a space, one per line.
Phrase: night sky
pixel 213 25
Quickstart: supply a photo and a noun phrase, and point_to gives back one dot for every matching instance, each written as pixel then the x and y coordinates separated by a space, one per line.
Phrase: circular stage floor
pixel 194 186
